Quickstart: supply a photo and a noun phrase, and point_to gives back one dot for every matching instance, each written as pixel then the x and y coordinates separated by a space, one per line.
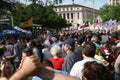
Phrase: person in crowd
pixel 17 51
pixel 60 40
pixel 46 51
pixel 35 68
pixel 88 53
pixel 35 50
pixel 9 46
pixel 6 69
pixel 99 56
pixel 57 59
pixel 25 52
pixel 71 56
pixel 108 53
pixel 7 53
pixel 117 64
pixel 54 41
pixel 78 48
pixel 118 43
pixel 39 42
pixel 96 71
pixel 23 43
pixel 2 59
pixel 96 41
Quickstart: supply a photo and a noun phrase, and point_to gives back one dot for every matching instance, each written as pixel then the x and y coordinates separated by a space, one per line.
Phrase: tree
pixel 115 12
pixel 44 16
pixel 108 12
pixel 104 12
pixel 6 5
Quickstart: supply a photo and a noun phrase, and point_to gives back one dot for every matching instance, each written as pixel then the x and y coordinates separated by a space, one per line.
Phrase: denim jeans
pixel 117 76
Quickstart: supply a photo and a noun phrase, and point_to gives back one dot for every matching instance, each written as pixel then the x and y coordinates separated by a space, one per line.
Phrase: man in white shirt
pixel 88 53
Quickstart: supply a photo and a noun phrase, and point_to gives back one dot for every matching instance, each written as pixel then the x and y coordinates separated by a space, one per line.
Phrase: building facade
pixel 113 2
pixel 75 13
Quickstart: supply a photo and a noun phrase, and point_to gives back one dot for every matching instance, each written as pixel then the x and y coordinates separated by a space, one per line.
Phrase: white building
pixel 113 2
pixel 75 13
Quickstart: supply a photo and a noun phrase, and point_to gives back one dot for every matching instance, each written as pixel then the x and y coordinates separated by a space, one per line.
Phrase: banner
pixel 27 23
pixel 97 20
pixel 112 23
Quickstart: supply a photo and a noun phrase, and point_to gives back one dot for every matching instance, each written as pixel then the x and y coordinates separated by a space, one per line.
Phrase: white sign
pixel 104 38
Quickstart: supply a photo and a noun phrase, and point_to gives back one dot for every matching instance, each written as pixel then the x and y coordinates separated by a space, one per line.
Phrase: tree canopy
pixel 6 5
pixel 108 12
pixel 43 15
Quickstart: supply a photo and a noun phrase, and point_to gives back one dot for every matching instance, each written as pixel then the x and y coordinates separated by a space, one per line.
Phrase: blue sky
pixel 88 3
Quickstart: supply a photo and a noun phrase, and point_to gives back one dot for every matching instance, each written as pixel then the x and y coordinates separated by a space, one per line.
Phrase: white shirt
pixel 46 53
pixel 78 67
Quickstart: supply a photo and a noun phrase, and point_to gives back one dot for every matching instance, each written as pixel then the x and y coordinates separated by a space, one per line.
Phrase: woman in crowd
pixel 99 56
pixel 57 59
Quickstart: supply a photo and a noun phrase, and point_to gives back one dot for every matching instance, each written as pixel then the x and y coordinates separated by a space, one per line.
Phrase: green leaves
pixel 6 5
pixel 44 16
pixel 108 12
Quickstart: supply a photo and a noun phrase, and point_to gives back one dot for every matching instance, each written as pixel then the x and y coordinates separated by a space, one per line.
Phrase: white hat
pixel 47 43
pixel 55 50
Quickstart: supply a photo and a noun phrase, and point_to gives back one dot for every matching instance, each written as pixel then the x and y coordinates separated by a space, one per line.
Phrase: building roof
pixel 71 5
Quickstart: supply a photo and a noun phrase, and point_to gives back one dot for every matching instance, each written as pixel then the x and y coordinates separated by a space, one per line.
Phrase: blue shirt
pixel 58 71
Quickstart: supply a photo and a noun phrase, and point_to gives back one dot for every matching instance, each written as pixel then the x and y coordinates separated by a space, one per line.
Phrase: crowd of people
pixel 71 55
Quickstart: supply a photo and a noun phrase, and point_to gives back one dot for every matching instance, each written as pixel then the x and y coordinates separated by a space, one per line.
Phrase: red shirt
pixel 57 63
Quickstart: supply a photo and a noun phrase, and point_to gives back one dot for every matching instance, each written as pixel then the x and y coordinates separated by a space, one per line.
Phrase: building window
pixel 71 9
pixel 67 15
pixel 64 15
pixel 63 9
pixel 71 15
pixel 67 9
pixel 60 15
pixel 60 9
pixel 78 15
pixel 71 21
pixel 117 3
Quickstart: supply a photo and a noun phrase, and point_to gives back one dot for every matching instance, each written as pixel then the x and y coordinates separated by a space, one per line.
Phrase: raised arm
pixel 31 66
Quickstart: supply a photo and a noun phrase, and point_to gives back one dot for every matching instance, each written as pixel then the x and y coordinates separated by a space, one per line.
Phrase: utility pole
pixel 73 2
pixel 73 14
pixel 93 8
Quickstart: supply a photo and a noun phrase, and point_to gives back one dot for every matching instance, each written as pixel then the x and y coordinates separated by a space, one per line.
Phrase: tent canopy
pixel 9 31
pixel 22 30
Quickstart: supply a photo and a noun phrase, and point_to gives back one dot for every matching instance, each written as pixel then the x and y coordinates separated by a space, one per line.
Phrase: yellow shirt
pixel 98 57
